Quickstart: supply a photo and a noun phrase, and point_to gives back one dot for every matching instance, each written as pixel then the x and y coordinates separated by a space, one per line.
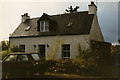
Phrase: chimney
pixel 25 17
pixel 92 8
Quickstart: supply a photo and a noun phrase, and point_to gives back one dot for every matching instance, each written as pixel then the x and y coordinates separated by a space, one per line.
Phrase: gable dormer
pixel 44 23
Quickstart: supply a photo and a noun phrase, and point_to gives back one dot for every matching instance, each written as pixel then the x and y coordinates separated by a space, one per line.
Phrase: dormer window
pixel 44 26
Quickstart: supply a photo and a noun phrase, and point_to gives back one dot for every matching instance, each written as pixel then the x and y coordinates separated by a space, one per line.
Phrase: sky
pixel 11 11
pixel 118 20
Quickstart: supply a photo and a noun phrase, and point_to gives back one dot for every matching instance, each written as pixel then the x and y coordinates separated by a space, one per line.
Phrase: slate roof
pixel 80 24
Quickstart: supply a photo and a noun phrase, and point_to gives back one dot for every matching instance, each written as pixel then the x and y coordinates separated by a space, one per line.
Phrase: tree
pixel 71 9
pixel 55 47
pixel 6 49
pixel 5 45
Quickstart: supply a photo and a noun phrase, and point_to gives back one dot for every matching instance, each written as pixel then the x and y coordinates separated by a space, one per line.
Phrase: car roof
pixel 23 53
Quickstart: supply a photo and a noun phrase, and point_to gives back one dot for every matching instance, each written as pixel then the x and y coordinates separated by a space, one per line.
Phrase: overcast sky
pixel 10 15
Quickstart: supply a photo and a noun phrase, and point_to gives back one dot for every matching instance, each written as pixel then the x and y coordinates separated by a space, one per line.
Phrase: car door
pixel 24 65
pixel 9 65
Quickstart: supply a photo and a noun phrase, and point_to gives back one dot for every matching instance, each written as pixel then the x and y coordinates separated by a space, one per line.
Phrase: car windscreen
pixel 35 57
pixel 11 58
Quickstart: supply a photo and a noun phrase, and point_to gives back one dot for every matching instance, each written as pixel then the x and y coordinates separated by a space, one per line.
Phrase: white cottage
pixel 58 35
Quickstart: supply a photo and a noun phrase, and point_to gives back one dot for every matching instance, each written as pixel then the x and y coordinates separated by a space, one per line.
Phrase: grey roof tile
pixel 81 24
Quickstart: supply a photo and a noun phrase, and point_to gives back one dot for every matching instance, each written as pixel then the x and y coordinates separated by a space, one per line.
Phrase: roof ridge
pixel 61 14
pixel 70 13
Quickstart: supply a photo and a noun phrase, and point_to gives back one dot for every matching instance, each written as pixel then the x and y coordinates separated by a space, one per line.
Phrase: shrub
pixel 72 67
pixel 9 50
pixel 65 66
pixel 88 62
pixel 5 45
pixel 4 54
pixel 51 64
pixel 85 64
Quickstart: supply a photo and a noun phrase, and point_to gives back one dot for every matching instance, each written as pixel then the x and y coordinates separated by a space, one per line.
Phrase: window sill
pixel 44 31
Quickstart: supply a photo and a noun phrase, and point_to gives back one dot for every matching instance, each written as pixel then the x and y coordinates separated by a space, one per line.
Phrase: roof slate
pixel 80 24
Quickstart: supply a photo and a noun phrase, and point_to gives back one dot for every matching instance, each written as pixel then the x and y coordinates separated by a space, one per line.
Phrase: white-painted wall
pixel 95 32
pixel 73 40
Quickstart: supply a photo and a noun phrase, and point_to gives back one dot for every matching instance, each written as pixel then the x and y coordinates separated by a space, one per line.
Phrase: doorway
pixel 41 49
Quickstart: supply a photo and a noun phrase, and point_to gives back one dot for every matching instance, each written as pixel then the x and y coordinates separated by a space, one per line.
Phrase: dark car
pixel 22 65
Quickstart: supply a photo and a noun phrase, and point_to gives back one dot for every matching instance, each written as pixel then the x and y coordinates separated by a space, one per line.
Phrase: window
pixel 35 57
pixel 22 48
pixel 28 28
pixel 11 58
pixel 22 58
pixel 66 51
pixel 44 26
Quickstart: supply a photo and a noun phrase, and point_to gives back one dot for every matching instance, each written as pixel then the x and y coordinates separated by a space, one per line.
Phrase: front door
pixel 42 50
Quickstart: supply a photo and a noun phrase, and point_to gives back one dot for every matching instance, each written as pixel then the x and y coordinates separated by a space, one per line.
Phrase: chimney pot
pixel 92 8
pixel 26 14
pixel 25 17
pixel 91 2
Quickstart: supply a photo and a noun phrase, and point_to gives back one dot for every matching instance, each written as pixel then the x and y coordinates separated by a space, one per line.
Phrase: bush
pixel 66 66
pixel 71 67
pixel 4 54
pixel 51 64
pixel 86 63
pixel 9 50
pixel 5 45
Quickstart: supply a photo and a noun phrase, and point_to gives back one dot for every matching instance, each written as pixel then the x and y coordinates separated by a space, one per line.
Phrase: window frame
pixel 66 50
pixel 44 26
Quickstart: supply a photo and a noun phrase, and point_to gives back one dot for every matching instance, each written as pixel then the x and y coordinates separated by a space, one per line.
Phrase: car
pixel 16 65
